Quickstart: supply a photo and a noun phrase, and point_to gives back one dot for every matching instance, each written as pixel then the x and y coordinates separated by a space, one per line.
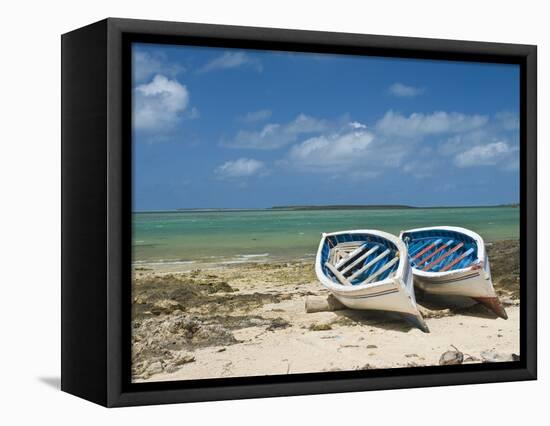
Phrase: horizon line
pixel 326 206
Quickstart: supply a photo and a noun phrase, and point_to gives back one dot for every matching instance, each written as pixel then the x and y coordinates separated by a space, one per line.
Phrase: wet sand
pixel 249 319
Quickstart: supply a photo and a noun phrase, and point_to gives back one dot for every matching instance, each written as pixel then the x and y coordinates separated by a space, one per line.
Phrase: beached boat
pixel 368 269
pixel 449 260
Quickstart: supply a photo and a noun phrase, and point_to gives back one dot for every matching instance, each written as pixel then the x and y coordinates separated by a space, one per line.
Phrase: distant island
pixel 325 207
pixel 379 207
pixel 345 207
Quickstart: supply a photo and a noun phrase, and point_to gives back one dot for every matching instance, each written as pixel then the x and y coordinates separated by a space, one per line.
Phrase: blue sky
pixel 234 128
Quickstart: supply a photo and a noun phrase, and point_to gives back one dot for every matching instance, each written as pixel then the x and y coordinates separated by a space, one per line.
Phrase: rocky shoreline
pixel 249 319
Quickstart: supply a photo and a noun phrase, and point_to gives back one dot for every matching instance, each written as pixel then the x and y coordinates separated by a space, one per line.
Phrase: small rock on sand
pixel 277 324
pixel 507 301
pixel 183 358
pixel 452 357
pixel 429 313
pixel 320 327
pixel 493 356
pixel 364 367
pixel 165 307
pixel 171 369
pixel 154 368
pixel 470 359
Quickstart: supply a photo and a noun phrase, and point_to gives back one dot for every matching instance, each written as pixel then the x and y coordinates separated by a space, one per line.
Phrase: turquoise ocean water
pixel 235 237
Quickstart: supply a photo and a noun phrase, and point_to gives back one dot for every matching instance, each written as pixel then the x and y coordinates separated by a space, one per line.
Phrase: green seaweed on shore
pixel 320 327
pixel 505 268
pixel 198 292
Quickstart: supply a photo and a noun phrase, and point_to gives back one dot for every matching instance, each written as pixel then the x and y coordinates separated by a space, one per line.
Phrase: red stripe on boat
pixel 454 262
pixel 432 245
pixel 433 254
pixel 439 259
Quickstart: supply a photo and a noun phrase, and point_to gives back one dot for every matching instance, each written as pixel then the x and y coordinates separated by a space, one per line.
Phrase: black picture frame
pixel 96 213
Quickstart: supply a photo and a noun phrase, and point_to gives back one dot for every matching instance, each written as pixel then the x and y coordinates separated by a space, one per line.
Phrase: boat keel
pixel 493 303
pixel 417 321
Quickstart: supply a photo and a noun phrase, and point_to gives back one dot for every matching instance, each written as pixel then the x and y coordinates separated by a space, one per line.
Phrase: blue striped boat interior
pixel 440 250
pixel 372 258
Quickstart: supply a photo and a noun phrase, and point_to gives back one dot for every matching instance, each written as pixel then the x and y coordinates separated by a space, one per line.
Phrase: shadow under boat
pixel 458 305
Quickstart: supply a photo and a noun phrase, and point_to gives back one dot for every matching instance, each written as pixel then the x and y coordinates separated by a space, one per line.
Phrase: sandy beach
pixel 249 319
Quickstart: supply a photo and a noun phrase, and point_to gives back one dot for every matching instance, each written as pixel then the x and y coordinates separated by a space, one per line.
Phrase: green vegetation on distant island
pixel 345 207
pixel 326 207
pixel 379 207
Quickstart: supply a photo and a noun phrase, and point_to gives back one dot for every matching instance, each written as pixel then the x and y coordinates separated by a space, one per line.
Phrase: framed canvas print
pixel 252 212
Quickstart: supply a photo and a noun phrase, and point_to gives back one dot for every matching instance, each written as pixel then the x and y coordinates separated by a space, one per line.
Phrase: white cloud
pixel 357 125
pixel 241 168
pixel 229 60
pixel 255 116
pixel 159 104
pixel 419 124
pixel 275 135
pixel 485 155
pixel 431 143
pixel 328 152
pixel 507 120
pixel 346 149
pixel 350 153
pixel 462 141
pixel 306 124
pixel 194 114
pixel 494 144
pixel 145 65
pixel 403 91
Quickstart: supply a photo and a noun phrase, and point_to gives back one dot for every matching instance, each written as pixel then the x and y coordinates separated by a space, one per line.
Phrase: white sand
pixel 378 341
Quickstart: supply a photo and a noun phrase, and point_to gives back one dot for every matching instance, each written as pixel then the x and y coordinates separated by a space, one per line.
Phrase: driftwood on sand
pixel 323 304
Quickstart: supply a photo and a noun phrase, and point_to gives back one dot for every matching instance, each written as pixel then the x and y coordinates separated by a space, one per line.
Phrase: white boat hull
pixel 394 294
pixel 469 283
pixel 474 281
